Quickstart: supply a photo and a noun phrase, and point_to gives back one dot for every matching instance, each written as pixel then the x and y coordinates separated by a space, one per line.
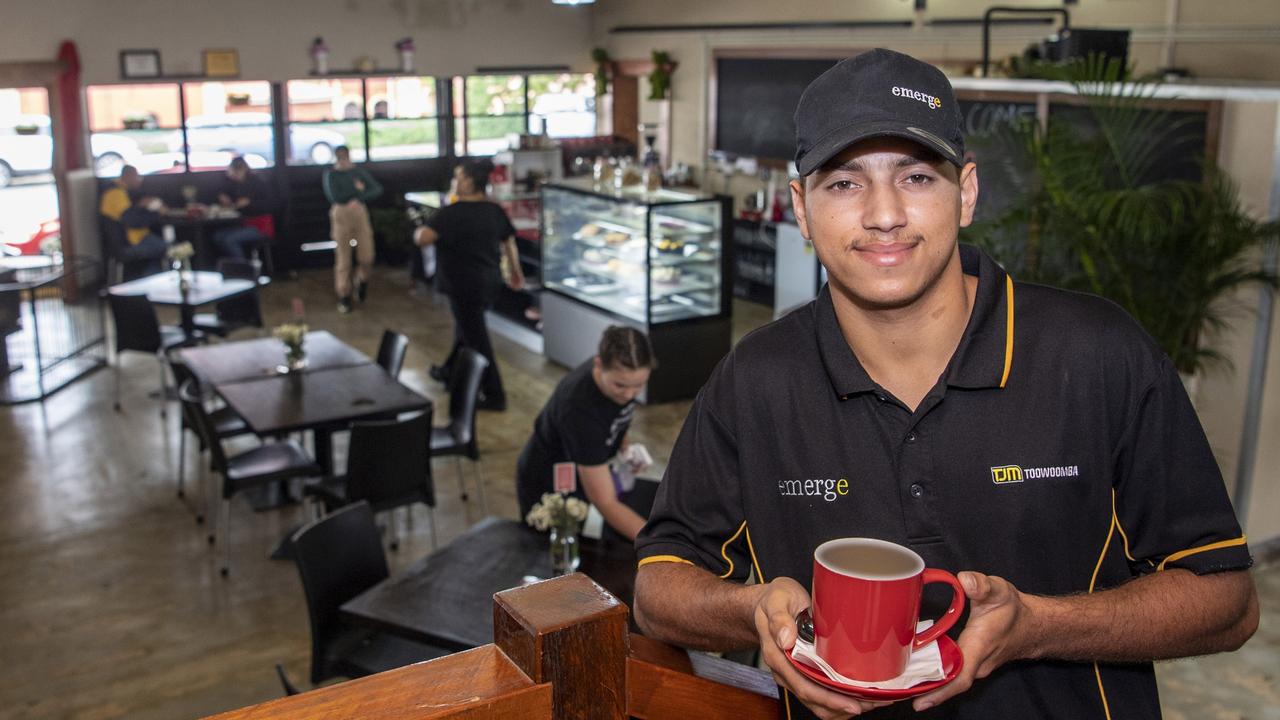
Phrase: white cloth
pixel 925 665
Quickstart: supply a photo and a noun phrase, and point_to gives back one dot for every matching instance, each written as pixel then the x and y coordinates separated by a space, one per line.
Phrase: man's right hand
pixel 775 618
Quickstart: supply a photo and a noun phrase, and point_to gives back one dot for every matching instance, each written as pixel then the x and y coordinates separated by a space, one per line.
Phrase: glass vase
pixel 295 359
pixel 565 556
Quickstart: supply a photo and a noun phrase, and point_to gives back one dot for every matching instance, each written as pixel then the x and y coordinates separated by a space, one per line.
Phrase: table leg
pixel 188 321
pixel 324 449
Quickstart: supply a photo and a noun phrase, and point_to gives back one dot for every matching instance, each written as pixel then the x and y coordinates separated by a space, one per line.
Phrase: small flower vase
pixel 406 61
pixel 295 358
pixel 565 556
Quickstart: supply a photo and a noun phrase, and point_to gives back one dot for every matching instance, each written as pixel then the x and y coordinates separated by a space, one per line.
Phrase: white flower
pixel 556 510
pixel 290 334
pixel 180 251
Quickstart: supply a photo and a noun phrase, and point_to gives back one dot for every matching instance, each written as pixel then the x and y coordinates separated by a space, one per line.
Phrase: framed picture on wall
pixel 139 64
pixel 221 63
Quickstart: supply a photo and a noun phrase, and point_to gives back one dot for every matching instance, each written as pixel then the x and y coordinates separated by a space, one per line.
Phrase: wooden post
pixel 572 633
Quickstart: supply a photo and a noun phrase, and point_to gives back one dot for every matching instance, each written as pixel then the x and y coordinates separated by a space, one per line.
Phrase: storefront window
pixel 562 105
pixel 322 115
pixel 225 119
pixel 135 124
pixel 402 117
pixel 494 108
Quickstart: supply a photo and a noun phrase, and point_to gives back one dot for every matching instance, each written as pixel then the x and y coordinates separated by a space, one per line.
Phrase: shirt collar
pixel 985 353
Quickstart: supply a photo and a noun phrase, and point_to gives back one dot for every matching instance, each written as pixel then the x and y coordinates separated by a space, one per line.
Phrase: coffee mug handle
pixel 949 617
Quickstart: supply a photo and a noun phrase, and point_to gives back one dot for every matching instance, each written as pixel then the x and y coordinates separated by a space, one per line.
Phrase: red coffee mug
pixel 866 602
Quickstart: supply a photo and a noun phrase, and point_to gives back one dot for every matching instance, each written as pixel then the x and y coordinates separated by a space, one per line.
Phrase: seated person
pixel 249 194
pixel 122 203
pixel 585 422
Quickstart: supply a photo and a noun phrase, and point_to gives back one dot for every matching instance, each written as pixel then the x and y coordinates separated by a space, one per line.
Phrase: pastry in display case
pixel 653 259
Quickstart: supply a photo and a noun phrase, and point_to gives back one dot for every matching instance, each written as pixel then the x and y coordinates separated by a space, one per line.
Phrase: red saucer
pixel 952 661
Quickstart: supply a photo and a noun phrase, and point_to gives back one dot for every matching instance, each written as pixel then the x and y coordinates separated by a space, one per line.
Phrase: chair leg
pixel 115 367
pixel 226 537
pixel 211 502
pixel 202 481
pixel 462 480
pixel 164 391
pixel 484 505
pixel 431 517
pixel 393 527
pixel 182 459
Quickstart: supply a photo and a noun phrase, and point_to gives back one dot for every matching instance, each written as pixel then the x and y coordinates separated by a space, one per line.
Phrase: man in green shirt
pixel 348 188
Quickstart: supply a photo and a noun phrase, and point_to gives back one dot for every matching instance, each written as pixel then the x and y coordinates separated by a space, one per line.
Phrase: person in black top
pixel 585 422
pixel 471 236
pixel 1033 441
pixel 247 193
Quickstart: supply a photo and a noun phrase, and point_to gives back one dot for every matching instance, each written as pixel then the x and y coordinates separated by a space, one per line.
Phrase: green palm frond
pixel 1097 215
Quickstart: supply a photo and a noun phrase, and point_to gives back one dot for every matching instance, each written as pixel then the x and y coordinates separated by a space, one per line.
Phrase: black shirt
pixel 254 188
pixel 579 425
pixel 1058 450
pixel 469 249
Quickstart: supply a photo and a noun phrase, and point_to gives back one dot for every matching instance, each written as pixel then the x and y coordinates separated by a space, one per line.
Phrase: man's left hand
pixel 998 632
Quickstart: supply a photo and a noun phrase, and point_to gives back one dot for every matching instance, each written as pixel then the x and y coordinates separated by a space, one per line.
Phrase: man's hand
pixel 359 185
pixel 775 618
pixel 998 632
pixel 354 203
pixel 516 282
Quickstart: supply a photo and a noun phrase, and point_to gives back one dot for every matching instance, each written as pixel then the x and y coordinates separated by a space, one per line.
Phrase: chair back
pixel 194 414
pixel 464 393
pixel 136 325
pixel 339 556
pixel 391 351
pixel 389 462
pixel 243 309
pixel 114 239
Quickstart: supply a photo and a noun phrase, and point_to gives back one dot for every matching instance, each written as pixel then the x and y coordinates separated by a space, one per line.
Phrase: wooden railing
pixel 561 650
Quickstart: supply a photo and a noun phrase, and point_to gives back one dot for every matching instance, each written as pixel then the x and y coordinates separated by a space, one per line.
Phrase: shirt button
pixel 917 490
pixel 881 398
pixel 911 437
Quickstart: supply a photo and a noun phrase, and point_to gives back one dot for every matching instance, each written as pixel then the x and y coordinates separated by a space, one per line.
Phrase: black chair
pixel 391 352
pixel 138 330
pixel 388 466
pixel 115 245
pixel 268 463
pixel 242 311
pixel 340 556
pixel 458 438
pixel 226 424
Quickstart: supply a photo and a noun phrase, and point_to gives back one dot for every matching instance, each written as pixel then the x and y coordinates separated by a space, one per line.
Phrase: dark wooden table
pixel 203 288
pixel 320 400
pixel 446 598
pixel 258 359
pixel 194 228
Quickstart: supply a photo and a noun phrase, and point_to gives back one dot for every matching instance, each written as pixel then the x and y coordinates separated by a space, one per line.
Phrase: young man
pixel 135 217
pixel 897 406
pixel 245 192
pixel 348 189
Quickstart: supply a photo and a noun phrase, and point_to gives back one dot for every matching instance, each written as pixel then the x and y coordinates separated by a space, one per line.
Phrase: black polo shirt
pixel 470 248
pixel 1058 450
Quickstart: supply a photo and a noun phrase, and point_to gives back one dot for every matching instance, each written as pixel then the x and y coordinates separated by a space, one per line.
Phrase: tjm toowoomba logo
pixel 1004 474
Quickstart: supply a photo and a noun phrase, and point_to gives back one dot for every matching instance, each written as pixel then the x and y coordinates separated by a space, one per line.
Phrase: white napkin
pixel 925 665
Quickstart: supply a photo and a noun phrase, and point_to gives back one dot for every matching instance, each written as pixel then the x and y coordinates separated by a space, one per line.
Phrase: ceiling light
pixel 572 2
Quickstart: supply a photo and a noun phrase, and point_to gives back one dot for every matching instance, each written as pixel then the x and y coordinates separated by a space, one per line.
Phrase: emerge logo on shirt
pixel 1005 474
pixel 827 489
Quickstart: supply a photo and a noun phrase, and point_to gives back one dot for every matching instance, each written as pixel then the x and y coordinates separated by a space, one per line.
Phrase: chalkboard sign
pixel 755 101
pixel 1004 171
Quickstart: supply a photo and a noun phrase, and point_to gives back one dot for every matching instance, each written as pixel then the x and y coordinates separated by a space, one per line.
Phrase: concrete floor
pixel 111 605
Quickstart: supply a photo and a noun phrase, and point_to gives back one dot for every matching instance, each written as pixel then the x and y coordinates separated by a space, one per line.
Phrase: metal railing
pixel 51 325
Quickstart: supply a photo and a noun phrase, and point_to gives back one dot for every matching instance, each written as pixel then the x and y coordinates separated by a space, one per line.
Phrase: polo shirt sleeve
pixel 1170 499
pixel 697 516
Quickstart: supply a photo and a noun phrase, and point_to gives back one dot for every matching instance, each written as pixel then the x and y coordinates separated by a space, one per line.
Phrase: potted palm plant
pixel 1101 214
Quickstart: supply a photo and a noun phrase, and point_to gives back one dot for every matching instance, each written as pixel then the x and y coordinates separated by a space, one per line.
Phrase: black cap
pixel 877 93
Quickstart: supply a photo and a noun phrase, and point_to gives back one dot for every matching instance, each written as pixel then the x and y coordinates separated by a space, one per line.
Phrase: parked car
pixel 43 240
pixel 251 133
pixel 26 148
pixel 563 115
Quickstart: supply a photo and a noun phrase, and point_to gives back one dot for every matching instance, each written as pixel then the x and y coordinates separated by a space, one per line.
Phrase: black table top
pixel 180 218
pixel 332 396
pixel 257 359
pixel 446 598
pixel 205 287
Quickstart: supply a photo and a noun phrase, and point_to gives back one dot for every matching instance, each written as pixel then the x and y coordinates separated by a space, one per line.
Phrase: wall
pixel 273 36
pixel 1238 39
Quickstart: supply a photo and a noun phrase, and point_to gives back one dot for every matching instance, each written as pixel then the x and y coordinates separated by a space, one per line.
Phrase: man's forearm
pixel 1169 614
pixel 688 606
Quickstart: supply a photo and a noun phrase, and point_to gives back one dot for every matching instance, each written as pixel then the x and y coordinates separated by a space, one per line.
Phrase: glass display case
pixel 650 257
pixel 655 260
